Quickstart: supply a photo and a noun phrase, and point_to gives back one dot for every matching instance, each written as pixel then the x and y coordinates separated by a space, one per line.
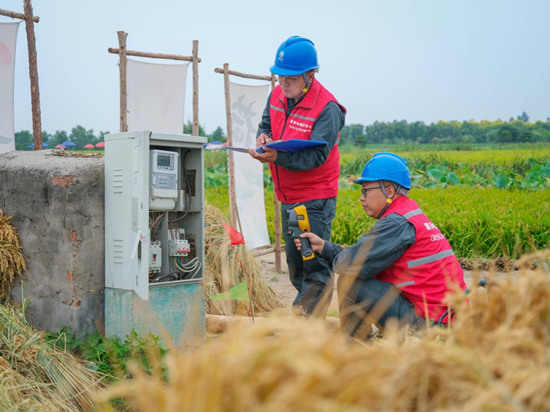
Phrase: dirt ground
pixel 281 285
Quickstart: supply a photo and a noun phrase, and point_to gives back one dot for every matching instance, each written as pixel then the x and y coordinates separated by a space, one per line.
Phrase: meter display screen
pixel 163 179
pixel 163 160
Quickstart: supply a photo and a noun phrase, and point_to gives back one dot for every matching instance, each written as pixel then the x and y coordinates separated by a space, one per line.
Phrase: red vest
pixel 429 269
pixel 300 186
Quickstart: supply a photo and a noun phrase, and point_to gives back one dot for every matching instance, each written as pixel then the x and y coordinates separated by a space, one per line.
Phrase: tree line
pixel 518 130
pixel 80 137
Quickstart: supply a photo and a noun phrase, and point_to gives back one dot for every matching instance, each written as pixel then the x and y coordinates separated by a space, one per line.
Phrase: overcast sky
pixel 425 60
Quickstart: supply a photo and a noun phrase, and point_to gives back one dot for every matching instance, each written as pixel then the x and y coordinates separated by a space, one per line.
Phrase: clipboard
pixel 291 145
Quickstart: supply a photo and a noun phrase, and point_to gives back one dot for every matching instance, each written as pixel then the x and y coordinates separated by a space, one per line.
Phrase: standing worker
pixel 403 268
pixel 301 108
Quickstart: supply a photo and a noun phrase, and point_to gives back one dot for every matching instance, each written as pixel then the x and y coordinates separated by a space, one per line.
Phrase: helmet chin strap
pixel 388 199
pixel 305 89
pixel 308 84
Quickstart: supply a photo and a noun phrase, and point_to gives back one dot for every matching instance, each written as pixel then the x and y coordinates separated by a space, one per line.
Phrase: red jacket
pixel 429 269
pixel 300 186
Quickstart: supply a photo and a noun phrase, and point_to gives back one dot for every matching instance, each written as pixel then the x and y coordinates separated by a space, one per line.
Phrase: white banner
pixel 247 105
pixel 156 96
pixel 8 37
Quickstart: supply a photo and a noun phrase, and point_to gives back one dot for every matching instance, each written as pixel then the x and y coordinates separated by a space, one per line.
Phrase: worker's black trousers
pixel 312 278
pixel 363 303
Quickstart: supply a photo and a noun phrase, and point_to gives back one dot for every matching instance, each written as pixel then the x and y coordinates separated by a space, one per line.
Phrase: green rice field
pixel 489 202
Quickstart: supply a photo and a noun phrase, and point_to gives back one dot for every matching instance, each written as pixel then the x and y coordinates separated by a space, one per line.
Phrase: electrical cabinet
pixel 154 211
pixel 154 234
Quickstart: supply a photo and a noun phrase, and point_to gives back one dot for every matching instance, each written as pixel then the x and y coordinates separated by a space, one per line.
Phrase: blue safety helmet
pixel 296 55
pixel 386 166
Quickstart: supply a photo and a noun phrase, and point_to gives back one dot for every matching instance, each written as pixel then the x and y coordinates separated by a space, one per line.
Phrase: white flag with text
pixel 8 38
pixel 247 105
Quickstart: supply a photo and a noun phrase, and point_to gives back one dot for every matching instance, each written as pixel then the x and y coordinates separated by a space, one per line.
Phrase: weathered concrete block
pixel 57 204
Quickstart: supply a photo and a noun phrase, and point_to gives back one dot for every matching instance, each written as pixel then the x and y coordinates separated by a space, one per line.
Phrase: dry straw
pixel 35 376
pixel 227 265
pixel 493 357
pixel 12 261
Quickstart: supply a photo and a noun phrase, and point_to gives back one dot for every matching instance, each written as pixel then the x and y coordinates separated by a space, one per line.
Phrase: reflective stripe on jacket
pixel 429 269
pixel 303 185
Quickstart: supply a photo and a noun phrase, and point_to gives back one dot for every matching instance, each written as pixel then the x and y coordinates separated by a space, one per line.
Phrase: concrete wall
pixel 57 204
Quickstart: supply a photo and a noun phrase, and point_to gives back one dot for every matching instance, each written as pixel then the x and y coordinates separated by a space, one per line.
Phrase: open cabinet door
pixel 126 212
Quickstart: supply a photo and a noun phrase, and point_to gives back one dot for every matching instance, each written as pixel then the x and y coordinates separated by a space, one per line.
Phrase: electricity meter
pixel 163 181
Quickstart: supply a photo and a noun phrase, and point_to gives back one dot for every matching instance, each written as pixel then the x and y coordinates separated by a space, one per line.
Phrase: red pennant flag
pixel 235 236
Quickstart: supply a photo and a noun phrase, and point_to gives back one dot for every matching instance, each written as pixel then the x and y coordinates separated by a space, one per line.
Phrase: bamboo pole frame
pixel 15 15
pixel 123 86
pixel 239 74
pixel 196 61
pixel 33 74
pixel 123 53
pixel 136 53
pixel 231 162
pixel 33 68
pixel 230 155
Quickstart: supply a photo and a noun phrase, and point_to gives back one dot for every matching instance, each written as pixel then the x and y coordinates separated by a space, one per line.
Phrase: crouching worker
pixel 403 268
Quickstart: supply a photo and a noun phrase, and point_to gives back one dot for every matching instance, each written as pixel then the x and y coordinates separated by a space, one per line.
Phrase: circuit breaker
pixel 154 210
